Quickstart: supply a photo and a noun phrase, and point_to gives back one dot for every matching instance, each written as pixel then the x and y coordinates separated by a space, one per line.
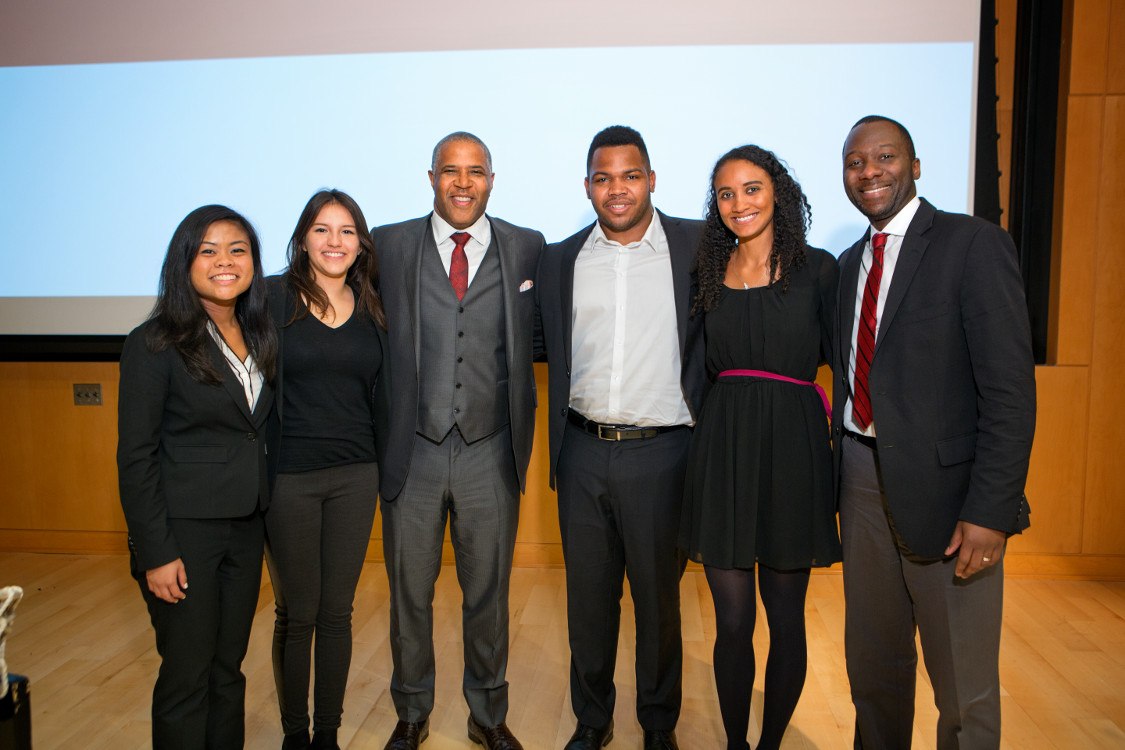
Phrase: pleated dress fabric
pixel 759 482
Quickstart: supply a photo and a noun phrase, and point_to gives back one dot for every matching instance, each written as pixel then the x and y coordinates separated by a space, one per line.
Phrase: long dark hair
pixel 791 217
pixel 178 318
pixel 362 277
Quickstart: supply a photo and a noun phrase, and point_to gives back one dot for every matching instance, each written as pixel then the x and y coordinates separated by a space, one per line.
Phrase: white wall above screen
pixel 102 160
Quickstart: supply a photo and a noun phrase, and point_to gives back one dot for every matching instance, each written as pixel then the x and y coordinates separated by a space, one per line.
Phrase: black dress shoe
pixel 498 737
pixel 296 741
pixel 660 739
pixel 408 735
pixel 586 737
pixel 324 739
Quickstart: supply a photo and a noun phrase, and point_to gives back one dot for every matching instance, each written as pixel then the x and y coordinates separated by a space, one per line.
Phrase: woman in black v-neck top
pixel 331 333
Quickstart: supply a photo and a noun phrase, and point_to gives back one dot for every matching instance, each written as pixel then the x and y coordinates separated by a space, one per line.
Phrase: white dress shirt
pixel 895 231
pixel 480 234
pixel 625 347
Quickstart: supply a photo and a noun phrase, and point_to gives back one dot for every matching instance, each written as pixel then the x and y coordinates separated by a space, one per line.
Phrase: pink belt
pixel 774 376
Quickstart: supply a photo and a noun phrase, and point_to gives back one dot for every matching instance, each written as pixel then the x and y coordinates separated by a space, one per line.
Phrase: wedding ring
pixel 986 559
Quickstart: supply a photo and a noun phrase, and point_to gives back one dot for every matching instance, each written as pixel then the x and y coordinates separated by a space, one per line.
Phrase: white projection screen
pixel 118 117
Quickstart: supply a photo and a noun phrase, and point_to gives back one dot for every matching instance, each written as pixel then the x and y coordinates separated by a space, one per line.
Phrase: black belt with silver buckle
pixel 862 439
pixel 616 431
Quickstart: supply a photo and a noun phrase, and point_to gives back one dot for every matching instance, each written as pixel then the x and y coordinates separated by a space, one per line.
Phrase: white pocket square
pixel 526 285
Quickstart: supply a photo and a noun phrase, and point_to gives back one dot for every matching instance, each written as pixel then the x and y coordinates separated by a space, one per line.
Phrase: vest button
pixel 458 385
pixel 460 360
pixel 460 334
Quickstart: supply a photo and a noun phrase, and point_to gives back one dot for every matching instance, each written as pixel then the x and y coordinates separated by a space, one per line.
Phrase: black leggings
pixel 783 595
pixel 318 526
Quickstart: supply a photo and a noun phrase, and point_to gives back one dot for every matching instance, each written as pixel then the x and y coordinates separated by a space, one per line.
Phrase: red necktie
pixel 865 338
pixel 459 265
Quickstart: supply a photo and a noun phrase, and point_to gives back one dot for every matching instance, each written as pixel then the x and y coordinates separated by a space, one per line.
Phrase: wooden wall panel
pixel 1105 511
pixel 1088 47
pixel 1056 482
pixel 57 460
pixel 1074 282
pixel 1115 68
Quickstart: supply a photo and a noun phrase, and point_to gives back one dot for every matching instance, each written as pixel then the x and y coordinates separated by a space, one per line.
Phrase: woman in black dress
pixel 194 400
pixel 330 360
pixel 759 486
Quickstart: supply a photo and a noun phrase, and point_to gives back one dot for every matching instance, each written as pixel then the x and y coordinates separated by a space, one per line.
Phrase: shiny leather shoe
pixel 408 735
pixel 660 739
pixel 498 737
pixel 586 737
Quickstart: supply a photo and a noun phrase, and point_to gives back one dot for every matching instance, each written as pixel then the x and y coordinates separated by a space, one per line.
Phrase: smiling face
pixel 619 185
pixel 332 243
pixel 879 171
pixel 223 267
pixel 744 197
pixel 462 183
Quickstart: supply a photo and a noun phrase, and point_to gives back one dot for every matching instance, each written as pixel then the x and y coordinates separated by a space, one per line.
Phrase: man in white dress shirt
pixel 627 379
pixel 934 411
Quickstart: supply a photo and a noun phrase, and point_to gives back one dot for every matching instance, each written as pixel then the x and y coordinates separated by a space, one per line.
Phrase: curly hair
pixel 362 277
pixel 791 217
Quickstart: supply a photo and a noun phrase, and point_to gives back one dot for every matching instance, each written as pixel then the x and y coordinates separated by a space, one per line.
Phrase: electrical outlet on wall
pixel 87 394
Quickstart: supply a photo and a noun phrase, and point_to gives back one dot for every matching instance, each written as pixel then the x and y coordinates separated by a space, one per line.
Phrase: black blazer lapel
pixel 230 383
pixel 845 318
pixel 262 408
pixel 909 257
pixel 683 260
pixel 566 288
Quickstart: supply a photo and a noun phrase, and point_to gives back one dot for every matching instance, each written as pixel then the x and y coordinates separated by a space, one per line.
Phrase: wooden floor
pixel 83 637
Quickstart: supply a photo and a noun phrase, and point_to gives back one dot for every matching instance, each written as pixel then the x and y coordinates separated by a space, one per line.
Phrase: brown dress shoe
pixel 498 737
pixel 408 735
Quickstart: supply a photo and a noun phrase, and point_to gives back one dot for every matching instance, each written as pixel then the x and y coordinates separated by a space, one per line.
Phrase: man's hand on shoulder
pixel 979 547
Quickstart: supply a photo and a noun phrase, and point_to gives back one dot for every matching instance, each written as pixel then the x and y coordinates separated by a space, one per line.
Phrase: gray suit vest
pixel 463 371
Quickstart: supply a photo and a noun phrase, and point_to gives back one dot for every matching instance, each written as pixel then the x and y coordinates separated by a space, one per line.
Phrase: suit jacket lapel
pixel 230 382
pixel 909 257
pixel 261 409
pixel 509 287
pixel 413 278
pixel 683 257
pixel 849 280
pixel 566 288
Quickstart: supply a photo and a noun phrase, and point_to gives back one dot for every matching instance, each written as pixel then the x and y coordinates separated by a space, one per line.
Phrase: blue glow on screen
pixel 98 163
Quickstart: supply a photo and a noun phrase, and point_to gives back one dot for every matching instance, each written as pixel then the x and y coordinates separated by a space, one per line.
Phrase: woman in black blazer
pixel 325 477
pixel 194 400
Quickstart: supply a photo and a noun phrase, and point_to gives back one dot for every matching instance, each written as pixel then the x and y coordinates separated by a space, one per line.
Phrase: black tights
pixel 783 595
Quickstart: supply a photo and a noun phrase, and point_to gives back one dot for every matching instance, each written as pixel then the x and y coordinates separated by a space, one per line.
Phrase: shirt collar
pixel 598 236
pixel 480 230
pixel 898 225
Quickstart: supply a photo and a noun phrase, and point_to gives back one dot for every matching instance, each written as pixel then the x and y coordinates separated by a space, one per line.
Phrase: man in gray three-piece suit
pixel 457 289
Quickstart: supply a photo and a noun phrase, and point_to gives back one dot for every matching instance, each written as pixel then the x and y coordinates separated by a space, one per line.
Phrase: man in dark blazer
pixel 627 377
pixel 457 289
pixel 933 417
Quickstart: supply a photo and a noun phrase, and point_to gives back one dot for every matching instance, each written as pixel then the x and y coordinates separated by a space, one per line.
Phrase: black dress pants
pixel 199 698
pixel 619 512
